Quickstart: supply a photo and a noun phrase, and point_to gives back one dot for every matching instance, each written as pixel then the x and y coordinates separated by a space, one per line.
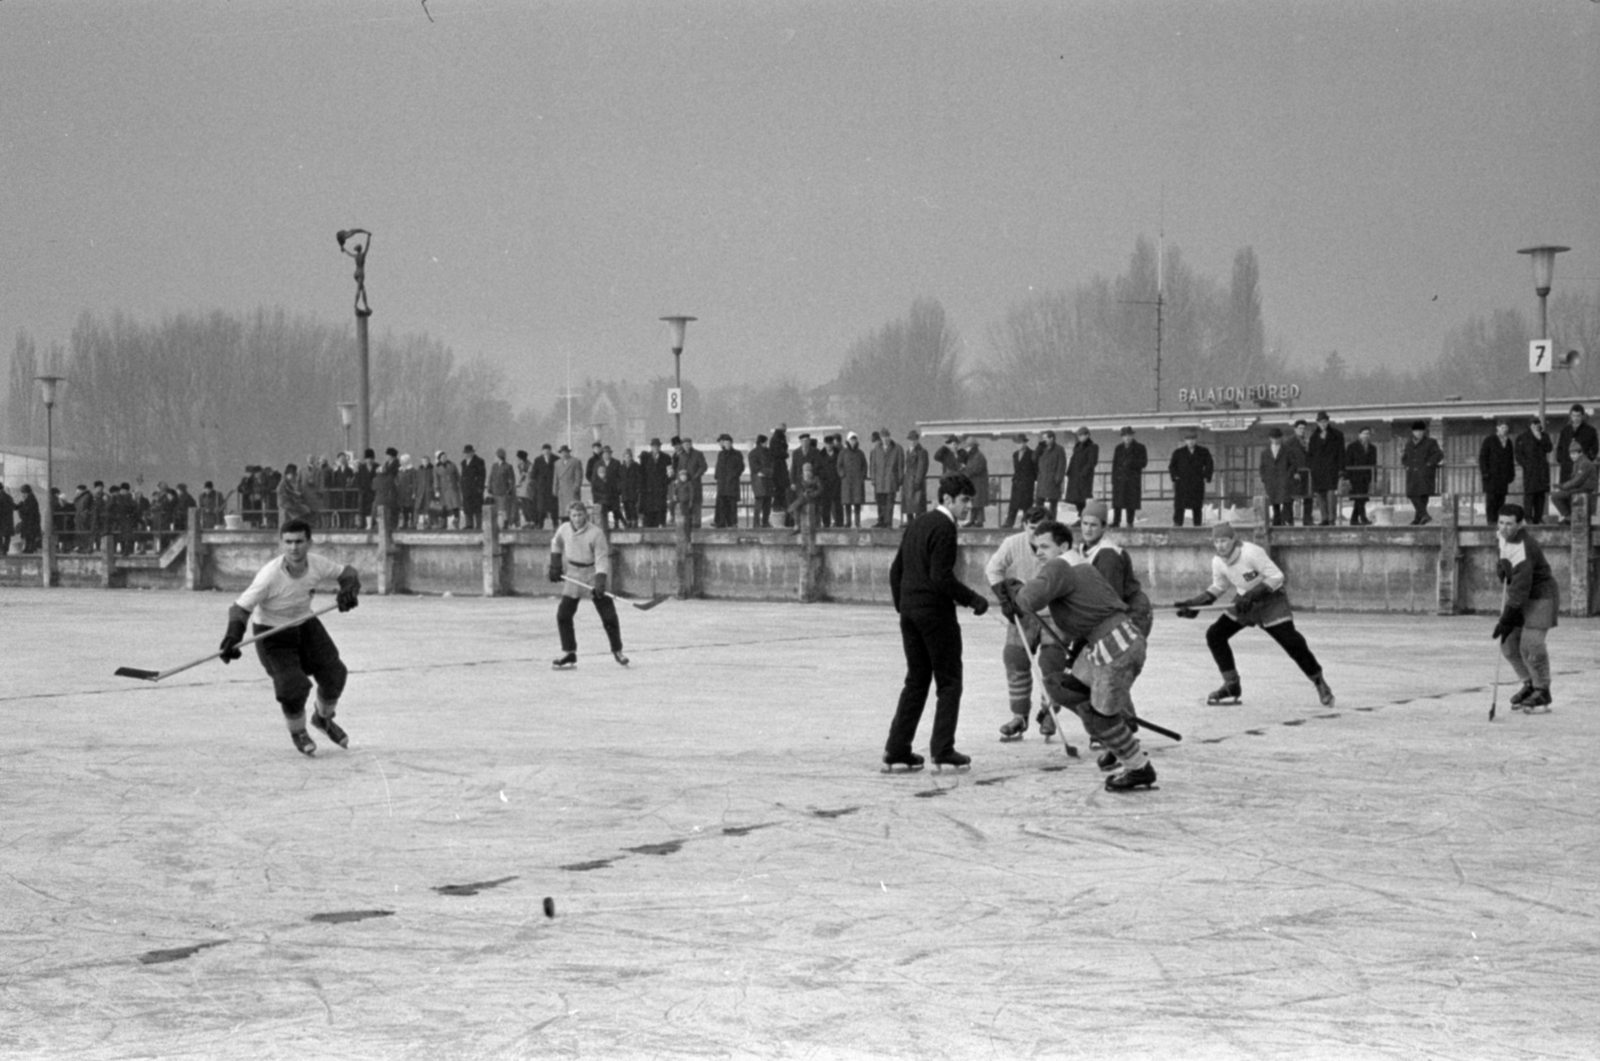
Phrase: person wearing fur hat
pixel 1260 599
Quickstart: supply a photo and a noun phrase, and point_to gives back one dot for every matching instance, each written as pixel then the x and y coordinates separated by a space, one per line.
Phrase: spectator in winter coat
pixel 8 521
pixel 1360 464
pixel 779 447
pixel 1190 469
pixel 695 463
pixel 210 505
pixel 886 466
pixel 1585 479
pixel 502 486
pixel 1080 470
pixel 914 486
pixel 1576 428
pixel 28 520
pixel 1533 457
pixel 729 474
pixel 474 479
pixel 1024 480
pixel 828 472
pixel 975 466
pixel 568 480
pixel 1421 459
pixel 761 483
pixel 1279 470
pixel 386 489
pixel 447 484
pixel 525 487
pixel 853 472
pixel 406 493
pixel 1299 444
pixel 656 471
pixel 291 499
pixel 1497 467
pixel 1052 472
pixel 1325 454
pixel 1128 462
pixel 630 487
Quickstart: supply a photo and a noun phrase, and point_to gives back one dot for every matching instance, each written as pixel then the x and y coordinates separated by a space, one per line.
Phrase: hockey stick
pixel 1143 722
pixel 1499 658
pixel 1033 667
pixel 646 606
pixel 155 676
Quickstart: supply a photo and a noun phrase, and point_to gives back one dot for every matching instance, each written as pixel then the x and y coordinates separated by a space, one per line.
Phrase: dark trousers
pixel 1492 501
pixel 932 643
pixel 1329 500
pixel 727 510
pixel 885 510
pixel 1358 511
pixel 296 658
pixel 1118 513
pixel 1178 512
pixel 654 517
pixel 1287 637
pixel 608 619
pixel 1419 502
pixel 1535 504
pixel 762 517
pixel 1281 515
pixel 1015 509
pixel 1307 512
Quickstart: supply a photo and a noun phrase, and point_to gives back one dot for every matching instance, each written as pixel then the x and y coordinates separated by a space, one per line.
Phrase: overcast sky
pixel 547 179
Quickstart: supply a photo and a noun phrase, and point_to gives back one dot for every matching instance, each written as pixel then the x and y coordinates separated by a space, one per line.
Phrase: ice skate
pixel 1013 728
pixel 910 760
pixel 334 731
pixel 303 742
pixel 1537 703
pixel 1047 723
pixel 1520 697
pixel 566 662
pixel 1107 761
pixel 1129 780
pixel 1228 694
pixel 953 759
pixel 1324 693
pixel 619 657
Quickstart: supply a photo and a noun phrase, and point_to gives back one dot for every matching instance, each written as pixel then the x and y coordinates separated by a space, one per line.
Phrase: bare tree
pixel 907 370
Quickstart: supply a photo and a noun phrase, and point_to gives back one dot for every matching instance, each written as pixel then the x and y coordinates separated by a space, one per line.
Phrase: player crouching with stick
pixel 1532 600
pixel 583 546
pixel 1083 606
pixel 1260 600
pixel 293 659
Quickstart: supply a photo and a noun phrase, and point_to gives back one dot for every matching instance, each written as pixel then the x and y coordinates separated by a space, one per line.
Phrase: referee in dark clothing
pixel 925 589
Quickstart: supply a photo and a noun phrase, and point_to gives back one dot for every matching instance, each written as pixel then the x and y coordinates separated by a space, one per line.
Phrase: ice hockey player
pixel 1098 685
pixel 1260 600
pixel 583 547
pixel 1532 600
pixel 1012 564
pixel 293 659
pixel 1116 567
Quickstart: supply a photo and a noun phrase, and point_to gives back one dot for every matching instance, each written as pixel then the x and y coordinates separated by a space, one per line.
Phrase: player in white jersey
pixel 1012 565
pixel 1245 569
pixel 303 654
pixel 583 547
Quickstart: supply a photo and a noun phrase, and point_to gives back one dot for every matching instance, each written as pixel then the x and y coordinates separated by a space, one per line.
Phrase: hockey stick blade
pixel 135 672
pixel 644 607
pixel 1153 728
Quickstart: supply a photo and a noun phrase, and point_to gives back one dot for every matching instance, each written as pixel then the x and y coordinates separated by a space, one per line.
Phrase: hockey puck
pixel 549 906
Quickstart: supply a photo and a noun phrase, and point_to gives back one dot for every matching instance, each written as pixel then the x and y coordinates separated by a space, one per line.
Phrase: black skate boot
pixel 1047 723
pixel 953 759
pixel 303 742
pixel 334 731
pixel 1107 762
pixel 566 662
pixel 1520 697
pixel 1129 780
pixel 908 759
pixel 1537 703
pixel 1014 728
pixel 1324 693
pixel 1228 694
pixel 619 657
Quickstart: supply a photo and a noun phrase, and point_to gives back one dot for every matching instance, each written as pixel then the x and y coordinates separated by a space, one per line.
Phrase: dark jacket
pixel 1360 464
pixel 1585 434
pixel 922 577
pixel 975 466
pixel 730 469
pixel 1278 473
pixel 657 477
pixel 1024 476
pixel 474 476
pixel 1533 455
pixel 1052 471
pixel 1325 457
pixel 1128 462
pixel 1190 472
pixel 1080 471
pixel 1497 464
pixel 760 462
pixel 1421 459
pixel 914 491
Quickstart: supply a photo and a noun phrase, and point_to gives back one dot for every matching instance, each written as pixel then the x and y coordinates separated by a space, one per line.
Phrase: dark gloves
pixel 980 606
pixel 1510 619
pixel 1186 608
pixel 1502 570
pixel 1008 606
pixel 555 568
pixel 231 639
pixel 1186 612
pixel 599 584
pixel 349 589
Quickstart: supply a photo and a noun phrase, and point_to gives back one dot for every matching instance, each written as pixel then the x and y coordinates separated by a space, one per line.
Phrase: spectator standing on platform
pixel 502 484
pixel 828 472
pixel 1497 467
pixel 1299 443
pixel 1080 470
pixel 8 519
pixel 82 521
pixel 729 474
pixel 292 504
pixel 888 468
pixel 407 496
pixel 1421 459
pixel 781 481
pixel 474 477
pixel 1533 457
pixel 183 508
pixel 567 483
pixel 681 496
pixel 596 455
pixel 655 469
pixel 1360 464
pixel 630 487
pixel 1585 479
pixel 1190 469
pixel 365 482
pixel 1577 428
pixel 925 591
pixel 695 462
pixel 542 478
pixel 604 488
pixel 853 480
pixel 525 488
pixel 1052 472
pixel 1128 462
pixel 210 503
pixel 1024 480
pixel 975 466
pixel 914 485
pixel 1278 476
pixel 806 508
pixel 761 483
pixel 447 484
pixel 1326 454
pixel 949 456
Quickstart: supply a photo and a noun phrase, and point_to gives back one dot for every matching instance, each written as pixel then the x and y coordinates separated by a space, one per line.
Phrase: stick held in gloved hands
pixel 642 606
pixel 155 676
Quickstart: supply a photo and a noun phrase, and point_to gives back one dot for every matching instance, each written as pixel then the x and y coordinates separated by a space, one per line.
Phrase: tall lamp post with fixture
pixel 679 326
pixel 47 510
pixel 1544 267
pixel 356 242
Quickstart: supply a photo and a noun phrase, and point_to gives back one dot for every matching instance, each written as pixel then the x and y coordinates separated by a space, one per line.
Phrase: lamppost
pixel 360 241
pixel 47 510
pixel 679 324
pixel 1544 266
pixel 347 413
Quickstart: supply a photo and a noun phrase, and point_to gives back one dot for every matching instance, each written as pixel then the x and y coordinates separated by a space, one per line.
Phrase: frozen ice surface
pixel 733 877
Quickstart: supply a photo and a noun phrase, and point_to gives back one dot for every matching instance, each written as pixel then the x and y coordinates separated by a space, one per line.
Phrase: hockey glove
pixel 1008 607
pixel 1502 569
pixel 599 584
pixel 1186 608
pixel 230 640
pixel 980 606
pixel 349 590
pixel 1509 621
pixel 555 568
